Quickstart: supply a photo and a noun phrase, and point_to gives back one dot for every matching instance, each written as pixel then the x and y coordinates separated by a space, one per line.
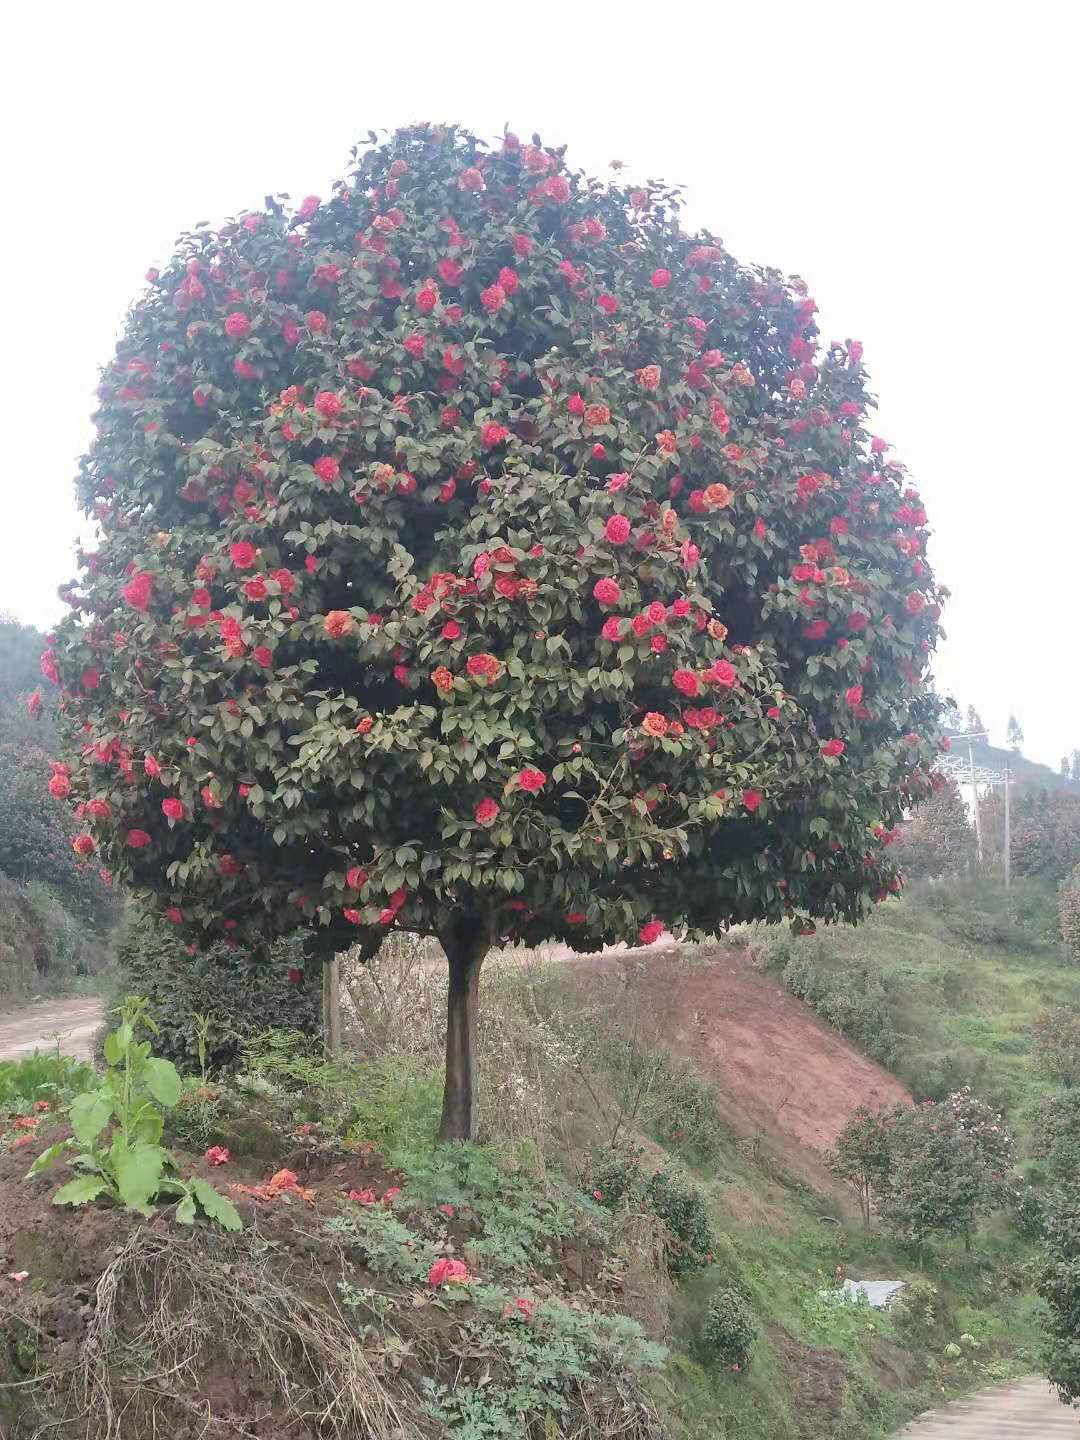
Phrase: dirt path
pixel 1024 1411
pixel 37 1026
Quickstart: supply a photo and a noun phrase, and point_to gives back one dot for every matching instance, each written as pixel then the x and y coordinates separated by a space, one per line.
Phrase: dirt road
pixel 37 1027
pixel 1024 1411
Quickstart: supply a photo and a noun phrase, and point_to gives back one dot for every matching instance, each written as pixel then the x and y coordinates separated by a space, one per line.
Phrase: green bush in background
pixel 240 999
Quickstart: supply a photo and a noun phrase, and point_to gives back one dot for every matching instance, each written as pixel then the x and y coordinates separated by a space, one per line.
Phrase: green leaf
pixel 111 1048
pixel 185 1210
pixel 215 1205
pixel 163 1082
pixel 47 1158
pixel 89 1114
pixel 80 1190
pixel 137 1169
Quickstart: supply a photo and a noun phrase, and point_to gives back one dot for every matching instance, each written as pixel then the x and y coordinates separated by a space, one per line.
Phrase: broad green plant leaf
pixel 112 1049
pixel 80 1191
pixel 185 1210
pixel 137 1169
pixel 215 1205
pixel 89 1114
pixel 162 1081
pixel 47 1158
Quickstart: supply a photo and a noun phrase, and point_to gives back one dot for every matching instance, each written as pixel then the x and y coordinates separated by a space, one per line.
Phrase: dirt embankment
pixel 778 1070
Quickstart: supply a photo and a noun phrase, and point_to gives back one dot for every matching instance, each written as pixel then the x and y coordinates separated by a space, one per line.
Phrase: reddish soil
pixel 777 1068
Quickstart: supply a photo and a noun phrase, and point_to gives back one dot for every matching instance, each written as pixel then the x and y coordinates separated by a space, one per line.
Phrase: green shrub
pixel 728 1330
pixel 1069 912
pixel 615 1178
pixel 855 1000
pixel 1055 1134
pixel 42 1077
pixel 395 1102
pixel 680 1204
pixel 241 999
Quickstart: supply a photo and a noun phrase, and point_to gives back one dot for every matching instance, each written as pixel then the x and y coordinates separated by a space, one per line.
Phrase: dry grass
pixel 170 1310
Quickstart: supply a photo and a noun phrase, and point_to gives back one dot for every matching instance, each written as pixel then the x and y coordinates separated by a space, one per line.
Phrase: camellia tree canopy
pixel 483 556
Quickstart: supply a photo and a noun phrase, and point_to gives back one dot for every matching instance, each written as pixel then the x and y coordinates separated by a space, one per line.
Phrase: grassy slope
pixel 966 970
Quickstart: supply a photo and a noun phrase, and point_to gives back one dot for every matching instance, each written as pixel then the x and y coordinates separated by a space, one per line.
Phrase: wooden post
pixel 331 1008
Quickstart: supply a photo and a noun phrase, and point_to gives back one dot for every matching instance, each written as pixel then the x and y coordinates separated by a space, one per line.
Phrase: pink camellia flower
pixel 174 915
pixel 355 877
pixel 354 917
pixel 448 1272
pixel 752 799
pixel 59 786
pixel 172 808
pixel 607 591
pixel 217 1155
pixel 531 780
pixel 486 811
pixel 137 839
pixel 492 434
pixel 651 932
pixel 661 279
pixel 447 1210
pixel 362 1197
pixel 685 681
pixel 833 748
pixel 83 845
pixel 389 1194
pixel 613 628
pixel 33 704
pixel 237 325
pixel 242 554
pixel 854 696
pixel 617 530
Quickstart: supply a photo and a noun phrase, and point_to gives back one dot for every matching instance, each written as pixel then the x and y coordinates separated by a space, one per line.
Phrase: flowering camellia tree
pixel 483 556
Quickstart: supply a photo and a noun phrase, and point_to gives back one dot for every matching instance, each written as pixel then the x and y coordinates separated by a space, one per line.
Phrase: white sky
pixel 910 160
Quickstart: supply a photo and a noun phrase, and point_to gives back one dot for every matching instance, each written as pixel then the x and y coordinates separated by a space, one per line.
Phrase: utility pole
pixel 1008 840
pixel 975 803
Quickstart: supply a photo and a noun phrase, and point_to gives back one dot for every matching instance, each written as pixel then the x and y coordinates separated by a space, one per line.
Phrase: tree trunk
pixel 466 941
pixel 331 1008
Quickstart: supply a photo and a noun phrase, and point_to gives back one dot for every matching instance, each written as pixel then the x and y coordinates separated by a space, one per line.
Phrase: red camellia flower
pixel 328 405
pixel 355 877
pixel 99 809
pixel 327 469
pixel 492 434
pixel 661 279
pixel 263 655
pixel 337 623
pixel 752 799
pixel 59 787
pixel 33 704
pixel 576 405
pixel 237 325
pixel 138 590
pixel 137 839
pixel 651 932
pixel 486 811
pixel 531 780
pixel 613 628
pixel 352 916
pixel 833 748
pixel 607 591
pixel 83 845
pixel 597 414
pixel 172 808
pixel 617 530
pixel 493 298
pixel 557 188
pixel 174 915
pixel 316 321
pixel 854 696
pixel 608 303
pixel 448 1272
pixel 686 681
pixel 722 673
pixel 483 667
pixel 255 588
pixel 427 297
pixel 217 1155
pixel 242 554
